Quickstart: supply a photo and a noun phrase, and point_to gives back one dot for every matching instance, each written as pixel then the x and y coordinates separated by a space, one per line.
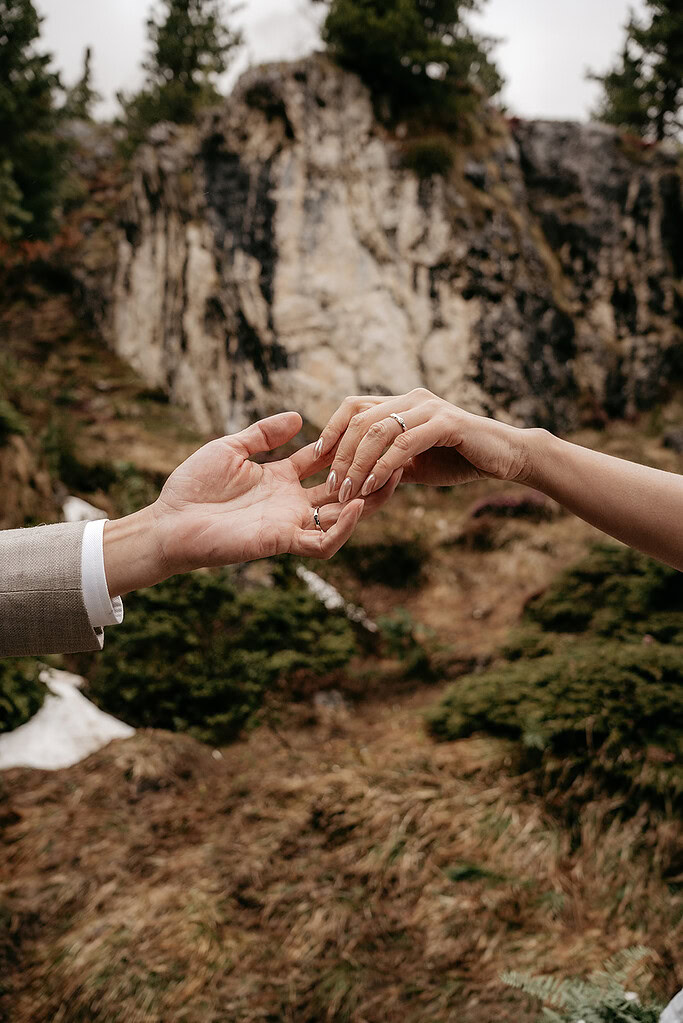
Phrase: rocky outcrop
pixel 280 256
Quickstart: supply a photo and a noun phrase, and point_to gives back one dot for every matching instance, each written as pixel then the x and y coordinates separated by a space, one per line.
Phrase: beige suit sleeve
pixel 41 600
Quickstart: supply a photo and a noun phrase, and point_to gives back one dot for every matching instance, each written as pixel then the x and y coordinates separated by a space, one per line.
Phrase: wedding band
pixel 316 519
pixel 400 420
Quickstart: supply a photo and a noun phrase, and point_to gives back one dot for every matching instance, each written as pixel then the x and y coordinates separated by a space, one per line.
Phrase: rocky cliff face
pixel 280 256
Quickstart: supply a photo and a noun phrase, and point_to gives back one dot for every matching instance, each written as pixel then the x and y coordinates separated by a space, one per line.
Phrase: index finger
pixel 342 417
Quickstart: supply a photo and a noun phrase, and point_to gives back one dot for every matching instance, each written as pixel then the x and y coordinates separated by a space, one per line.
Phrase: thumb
pixel 267 433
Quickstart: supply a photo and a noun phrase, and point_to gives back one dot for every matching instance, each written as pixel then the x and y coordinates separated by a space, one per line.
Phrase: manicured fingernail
pixel 345 490
pixel 318 450
pixel 369 485
pixel 331 483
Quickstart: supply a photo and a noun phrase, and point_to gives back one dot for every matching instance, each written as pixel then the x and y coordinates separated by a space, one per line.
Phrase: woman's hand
pixel 442 444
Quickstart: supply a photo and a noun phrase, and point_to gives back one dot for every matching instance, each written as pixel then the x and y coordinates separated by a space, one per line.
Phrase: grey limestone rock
pixel 278 255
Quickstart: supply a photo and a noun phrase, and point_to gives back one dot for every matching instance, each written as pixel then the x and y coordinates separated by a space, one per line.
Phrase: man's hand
pixel 221 508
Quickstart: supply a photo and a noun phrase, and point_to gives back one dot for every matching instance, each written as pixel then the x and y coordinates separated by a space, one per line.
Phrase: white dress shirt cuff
pixel 102 610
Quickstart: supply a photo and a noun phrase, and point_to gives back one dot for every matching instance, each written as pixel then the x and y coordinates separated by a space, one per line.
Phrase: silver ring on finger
pixel 316 519
pixel 400 420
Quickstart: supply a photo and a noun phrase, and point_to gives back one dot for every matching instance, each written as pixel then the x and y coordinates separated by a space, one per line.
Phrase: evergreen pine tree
pixel 644 92
pixel 416 56
pixel 81 97
pixel 31 154
pixel 191 45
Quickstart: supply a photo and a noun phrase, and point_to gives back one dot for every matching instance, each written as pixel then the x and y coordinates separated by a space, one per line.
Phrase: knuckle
pixel 402 442
pixel 378 430
pixel 421 392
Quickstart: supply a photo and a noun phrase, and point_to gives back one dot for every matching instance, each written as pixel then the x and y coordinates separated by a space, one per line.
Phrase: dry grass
pixel 359 873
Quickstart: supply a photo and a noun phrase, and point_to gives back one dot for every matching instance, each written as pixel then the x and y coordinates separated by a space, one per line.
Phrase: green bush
pixel 614 593
pixel 404 640
pixel 615 708
pixel 394 563
pixel 11 421
pixel 427 157
pixel 21 691
pixel 199 655
pixel 59 448
pixel 592 680
pixel 131 488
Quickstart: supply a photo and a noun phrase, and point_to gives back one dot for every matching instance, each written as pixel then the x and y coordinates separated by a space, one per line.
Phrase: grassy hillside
pixel 336 863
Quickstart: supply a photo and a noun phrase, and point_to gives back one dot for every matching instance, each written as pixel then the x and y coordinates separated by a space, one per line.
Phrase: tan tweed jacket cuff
pixel 41 600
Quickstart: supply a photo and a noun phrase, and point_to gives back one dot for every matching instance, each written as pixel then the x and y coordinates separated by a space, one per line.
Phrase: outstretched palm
pixel 221 508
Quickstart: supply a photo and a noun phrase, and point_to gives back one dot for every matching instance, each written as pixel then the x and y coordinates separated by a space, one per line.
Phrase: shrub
pixel 11 421
pixel 616 593
pixel 615 708
pixel 404 640
pixel 427 157
pixel 131 488
pixel 198 655
pixel 394 563
pixel 611 704
pixel 63 462
pixel 21 691
pixel 529 505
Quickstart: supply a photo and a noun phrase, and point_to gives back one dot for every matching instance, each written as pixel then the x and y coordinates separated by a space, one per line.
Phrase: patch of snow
pixel 674 1010
pixel 332 598
pixel 66 729
pixel 75 509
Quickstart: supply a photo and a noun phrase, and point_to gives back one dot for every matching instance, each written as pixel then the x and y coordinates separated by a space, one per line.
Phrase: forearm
pixel 640 506
pixel 133 557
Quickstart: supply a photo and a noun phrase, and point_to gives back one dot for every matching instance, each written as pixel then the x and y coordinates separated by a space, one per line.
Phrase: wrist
pixel 539 450
pixel 133 555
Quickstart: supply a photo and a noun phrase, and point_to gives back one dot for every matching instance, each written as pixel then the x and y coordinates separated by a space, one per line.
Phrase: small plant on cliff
pixel 416 57
pixel 31 154
pixel 199 655
pixel 643 92
pixel 191 44
pixel 428 156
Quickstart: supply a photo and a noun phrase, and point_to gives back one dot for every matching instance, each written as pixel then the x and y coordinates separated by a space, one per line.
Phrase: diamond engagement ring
pixel 316 519
pixel 400 420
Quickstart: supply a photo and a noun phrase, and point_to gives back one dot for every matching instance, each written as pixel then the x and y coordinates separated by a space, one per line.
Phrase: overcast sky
pixel 545 48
